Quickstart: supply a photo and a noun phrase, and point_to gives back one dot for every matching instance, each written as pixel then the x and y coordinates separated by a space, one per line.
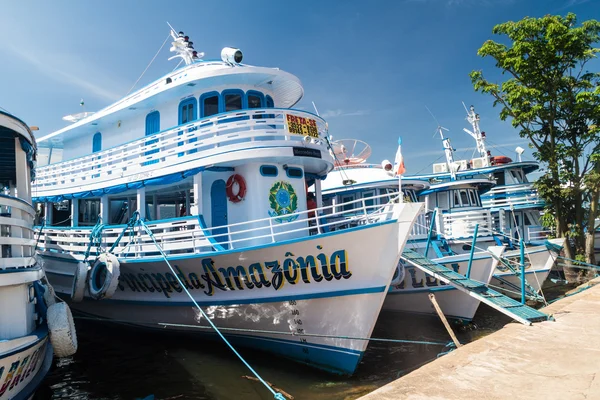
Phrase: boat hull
pixel 299 299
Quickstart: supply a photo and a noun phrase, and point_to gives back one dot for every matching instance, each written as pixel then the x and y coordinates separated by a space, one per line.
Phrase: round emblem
pixel 283 201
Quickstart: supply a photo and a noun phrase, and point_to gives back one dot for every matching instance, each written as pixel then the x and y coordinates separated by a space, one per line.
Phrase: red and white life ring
pixel 241 192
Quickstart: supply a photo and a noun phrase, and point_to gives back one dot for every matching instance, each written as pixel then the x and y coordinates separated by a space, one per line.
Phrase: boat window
pixel 384 199
pixel 456 198
pixel 442 200
pixel 187 111
pixel 209 105
pixel 527 221
pixel 293 172
pixel 517 175
pixel 255 99
pixel 269 102
pixel 464 198
pixel 499 176
pixel 233 101
pixel 368 196
pixel 473 197
pixel 268 170
pixel 97 142
pixel 345 199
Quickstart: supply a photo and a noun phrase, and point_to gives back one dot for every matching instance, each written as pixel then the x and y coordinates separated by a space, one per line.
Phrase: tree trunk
pixel 590 236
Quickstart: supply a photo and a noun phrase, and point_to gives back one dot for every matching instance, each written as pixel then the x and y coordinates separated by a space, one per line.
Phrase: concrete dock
pixel 550 360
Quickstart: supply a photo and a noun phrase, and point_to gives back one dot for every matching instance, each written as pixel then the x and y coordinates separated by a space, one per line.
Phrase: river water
pixel 117 362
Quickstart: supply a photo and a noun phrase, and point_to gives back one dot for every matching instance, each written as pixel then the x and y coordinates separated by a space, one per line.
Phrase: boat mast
pixel 449 152
pixel 479 136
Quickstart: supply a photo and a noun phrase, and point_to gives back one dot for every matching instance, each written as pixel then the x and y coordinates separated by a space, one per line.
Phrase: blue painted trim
pixel 269 103
pixel 97 142
pixel 287 171
pixel 264 246
pixel 28 391
pixel 228 92
pixel 423 290
pixel 539 271
pixel 188 101
pixel 258 300
pixel 41 332
pixel 269 166
pixel 20 270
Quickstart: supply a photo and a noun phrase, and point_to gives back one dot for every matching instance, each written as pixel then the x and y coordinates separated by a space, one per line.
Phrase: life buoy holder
pixel 497 160
pixel 104 276
pixel 241 192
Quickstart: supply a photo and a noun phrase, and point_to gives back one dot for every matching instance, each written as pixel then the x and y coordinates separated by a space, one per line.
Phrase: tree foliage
pixel 554 101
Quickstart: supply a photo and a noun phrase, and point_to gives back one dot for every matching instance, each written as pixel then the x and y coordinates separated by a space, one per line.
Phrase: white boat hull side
pixel 412 294
pixel 23 364
pixel 538 263
pixel 340 296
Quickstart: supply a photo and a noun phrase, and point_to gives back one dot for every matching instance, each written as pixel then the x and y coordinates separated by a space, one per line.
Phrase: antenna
pixel 476 134
pixel 315 107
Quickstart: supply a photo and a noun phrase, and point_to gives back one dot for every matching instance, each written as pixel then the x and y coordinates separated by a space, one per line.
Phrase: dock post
pixel 472 251
pixel 444 320
pixel 522 248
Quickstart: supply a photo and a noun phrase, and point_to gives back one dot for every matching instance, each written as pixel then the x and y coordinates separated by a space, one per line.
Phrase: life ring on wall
pixel 79 281
pixel 62 330
pixel 496 160
pixel 104 276
pixel 241 193
pixel 399 274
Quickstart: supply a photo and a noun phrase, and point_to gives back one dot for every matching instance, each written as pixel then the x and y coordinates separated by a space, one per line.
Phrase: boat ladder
pixel 514 309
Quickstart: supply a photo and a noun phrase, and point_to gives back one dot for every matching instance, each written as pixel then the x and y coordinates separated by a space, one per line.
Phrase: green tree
pixel 554 100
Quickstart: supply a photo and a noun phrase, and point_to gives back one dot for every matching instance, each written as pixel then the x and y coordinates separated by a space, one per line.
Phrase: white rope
pixel 151 61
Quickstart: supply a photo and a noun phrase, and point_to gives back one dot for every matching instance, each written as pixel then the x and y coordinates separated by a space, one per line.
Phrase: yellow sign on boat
pixel 302 126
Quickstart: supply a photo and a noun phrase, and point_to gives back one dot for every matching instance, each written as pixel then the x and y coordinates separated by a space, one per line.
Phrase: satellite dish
pixel 78 116
pixel 351 151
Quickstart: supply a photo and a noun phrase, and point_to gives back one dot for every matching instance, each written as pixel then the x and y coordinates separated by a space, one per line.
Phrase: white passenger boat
pixel 27 308
pixel 216 162
pixel 355 185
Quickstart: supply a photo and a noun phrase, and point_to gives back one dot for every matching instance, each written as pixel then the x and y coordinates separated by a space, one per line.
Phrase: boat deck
pixel 512 308
pixel 551 360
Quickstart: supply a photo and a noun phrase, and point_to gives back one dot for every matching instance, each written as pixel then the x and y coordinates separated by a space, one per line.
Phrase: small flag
pixel 81 103
pixel 399 160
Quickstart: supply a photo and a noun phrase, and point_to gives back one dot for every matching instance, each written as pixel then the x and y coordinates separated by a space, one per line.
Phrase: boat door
pixel 218 207
pixel 152 127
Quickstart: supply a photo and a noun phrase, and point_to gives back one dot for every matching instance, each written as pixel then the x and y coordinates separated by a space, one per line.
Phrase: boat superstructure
pixel 200 180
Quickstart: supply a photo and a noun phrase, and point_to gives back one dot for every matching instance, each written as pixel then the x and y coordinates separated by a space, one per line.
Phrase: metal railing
pixel 187 235
pixel 17 237
pixel 508 196
pixel 142 158
pixel 462 224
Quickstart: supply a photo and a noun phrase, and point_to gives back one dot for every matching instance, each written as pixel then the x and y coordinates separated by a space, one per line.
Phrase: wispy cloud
pixel 342 113
pixel 60 71
pixel 571 3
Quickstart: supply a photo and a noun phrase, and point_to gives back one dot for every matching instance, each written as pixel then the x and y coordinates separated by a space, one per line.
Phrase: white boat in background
pixel 29 317
pixel 355 185
pixel 215 162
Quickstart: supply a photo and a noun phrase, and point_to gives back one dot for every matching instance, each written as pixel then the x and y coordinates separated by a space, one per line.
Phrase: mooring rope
pixel 277 396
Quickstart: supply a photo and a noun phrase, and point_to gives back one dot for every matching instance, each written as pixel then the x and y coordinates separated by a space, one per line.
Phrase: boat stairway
pixel 512 308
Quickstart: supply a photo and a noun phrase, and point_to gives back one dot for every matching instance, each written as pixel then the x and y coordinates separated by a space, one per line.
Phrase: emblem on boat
pixel 283 201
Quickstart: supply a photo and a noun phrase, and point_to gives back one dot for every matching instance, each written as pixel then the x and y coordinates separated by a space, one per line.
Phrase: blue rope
pixel 277 396
pixel 580 264
pixel 39 234
pixel 95 239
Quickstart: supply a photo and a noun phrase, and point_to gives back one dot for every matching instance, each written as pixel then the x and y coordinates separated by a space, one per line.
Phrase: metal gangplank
pixel 514 309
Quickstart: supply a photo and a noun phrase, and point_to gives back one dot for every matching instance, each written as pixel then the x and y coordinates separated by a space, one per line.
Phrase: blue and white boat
pixel 29 318
pixel 356 184
pixel 507 210
pixel 216 162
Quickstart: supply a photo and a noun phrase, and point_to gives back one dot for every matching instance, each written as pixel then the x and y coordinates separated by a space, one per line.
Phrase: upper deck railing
pixel 517 196
pixel 189 235
pixel 17 239
pixel 198 142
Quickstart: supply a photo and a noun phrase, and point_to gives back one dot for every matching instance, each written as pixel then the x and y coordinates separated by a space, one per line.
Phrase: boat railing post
pixel 364 207
pixel 472 250
pixel 429 234
pixel 522 248
pixel 271 228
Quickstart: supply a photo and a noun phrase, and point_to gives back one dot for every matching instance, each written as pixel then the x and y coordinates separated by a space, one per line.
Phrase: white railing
pixel 511 195
pixel 143 158
pixel 420 229
pixel 17 239
pixel 187 235
pixel 461 224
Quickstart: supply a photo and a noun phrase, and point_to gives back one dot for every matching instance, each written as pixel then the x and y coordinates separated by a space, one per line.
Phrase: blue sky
pixel 371 67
